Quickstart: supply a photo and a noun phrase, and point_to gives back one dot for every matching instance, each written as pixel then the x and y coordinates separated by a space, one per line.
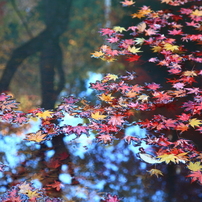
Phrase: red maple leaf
pixel 57 185
pixel 196 176
pixel 133 58
pixel 53 163
pixel 111 198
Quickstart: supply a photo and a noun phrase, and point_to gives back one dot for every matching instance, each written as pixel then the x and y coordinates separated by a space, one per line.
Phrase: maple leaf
pixel 175 32
pixel 36 137
pixel 139 41
pixel 111 52
pixel 54 163
pixel 119 29
pixel 170 123
pixel 143 98
pixel 178 85
pixel 197 12
pixel 116 120
pixel 98 116
pixel 157 49
pixel 8 105
pixel 189 73
pixel 128 139
pixel 131 94
pixel 4 97
pixel 168 158
pixel 124 88
pixel 153 86
pixel 137 88
pixel 195 166
pixel 182 127
pixel 149 32
pixel 156 172
pixel 57 185
pixel 138 15
pixel 127 3
pixel 44 115
pixel 106 98
pixel 107 31
pixel 181 157
pixel 195 122
pixel 97 86
pixel 97 54
pixel 113 39
pixel 20 118
pixel 171 47
pixel 37 176
pixel 24 187
pixel 133 58
pixel 108 59
pixel 111 77
pixel 13 197
pixel 111 198
pixel 196 175
pixel 134 50
pixel 105 138
pixel 7 116
pixel 162 96
pixel 79 129
pixel 32 194
pixel 166 1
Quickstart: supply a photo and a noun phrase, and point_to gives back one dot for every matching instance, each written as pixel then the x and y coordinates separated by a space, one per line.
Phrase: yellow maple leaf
pixel 170 47
pixel 181 157
pixel 195 122
pixel 139 41
pixel 166 1
pixel 108 58
pixel 195 166
pixel 197 12
pixel 111 77
pixel 97 54
pixel 44 115
pixel 189 73
pixel 119 29
pixel 106 98
pixel 37 176
pixel 156 172
pixel 98 116
pixel 167 158
pixel 36 137
pixel 138 15
pixel 157 49
pixel 146 11
pixel 143 98
pixel 134 49
pixel 32 194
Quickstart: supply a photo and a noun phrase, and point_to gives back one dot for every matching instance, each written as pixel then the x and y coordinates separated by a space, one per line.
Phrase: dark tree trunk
pixel 47 43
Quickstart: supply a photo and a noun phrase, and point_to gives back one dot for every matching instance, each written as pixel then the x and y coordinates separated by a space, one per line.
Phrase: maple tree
pixel 120 98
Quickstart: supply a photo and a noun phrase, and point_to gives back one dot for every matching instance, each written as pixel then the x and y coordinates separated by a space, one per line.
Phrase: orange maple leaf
pixel 36 137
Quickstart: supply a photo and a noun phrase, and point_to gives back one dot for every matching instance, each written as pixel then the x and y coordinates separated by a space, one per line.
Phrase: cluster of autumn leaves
pixel 119 98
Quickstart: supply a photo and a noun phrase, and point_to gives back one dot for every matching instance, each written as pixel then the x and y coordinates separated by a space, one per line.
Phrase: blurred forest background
pixel 45 53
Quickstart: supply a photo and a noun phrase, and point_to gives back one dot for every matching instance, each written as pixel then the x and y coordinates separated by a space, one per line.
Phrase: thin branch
pixel 21 18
